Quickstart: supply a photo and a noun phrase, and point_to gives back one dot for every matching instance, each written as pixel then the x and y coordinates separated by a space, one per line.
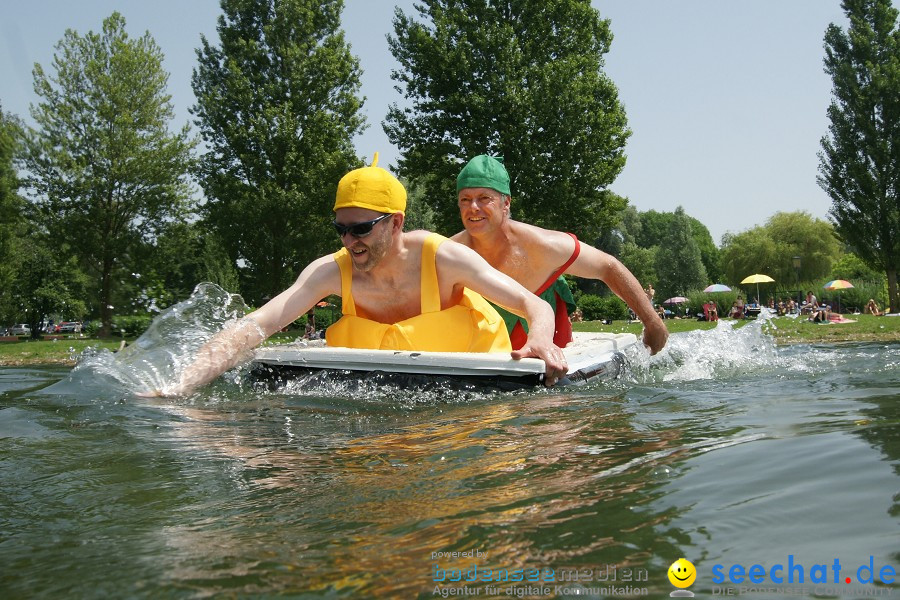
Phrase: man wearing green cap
pixel 537 258
pixel 401 290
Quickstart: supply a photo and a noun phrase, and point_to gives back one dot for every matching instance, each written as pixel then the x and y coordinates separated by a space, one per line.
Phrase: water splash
pixel 156 358
pixel 721 353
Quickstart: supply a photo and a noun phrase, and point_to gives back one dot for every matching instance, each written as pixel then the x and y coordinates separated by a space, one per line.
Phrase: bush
pixel 130 327
pixel 596 308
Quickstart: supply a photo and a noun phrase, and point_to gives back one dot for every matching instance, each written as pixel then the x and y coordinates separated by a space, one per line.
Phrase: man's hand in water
pixel 553 358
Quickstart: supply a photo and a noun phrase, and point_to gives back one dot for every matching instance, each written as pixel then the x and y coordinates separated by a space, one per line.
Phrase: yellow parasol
pixel 757 278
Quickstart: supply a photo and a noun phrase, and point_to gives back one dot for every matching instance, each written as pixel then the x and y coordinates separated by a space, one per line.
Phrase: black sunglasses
pixel 359 230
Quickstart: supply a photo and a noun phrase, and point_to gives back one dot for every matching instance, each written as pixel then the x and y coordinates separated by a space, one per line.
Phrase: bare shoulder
pixel 458 258
pixel 416 237
pixel 322 263
pixel 454 249
pixel 552 244
pixel 323 271
pixel 463 238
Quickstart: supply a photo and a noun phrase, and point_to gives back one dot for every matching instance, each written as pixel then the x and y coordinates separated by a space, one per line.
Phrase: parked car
pixel 69 327
pixel 20 329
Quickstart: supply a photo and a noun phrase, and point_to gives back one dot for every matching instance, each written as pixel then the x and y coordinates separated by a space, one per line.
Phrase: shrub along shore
pixel 866 328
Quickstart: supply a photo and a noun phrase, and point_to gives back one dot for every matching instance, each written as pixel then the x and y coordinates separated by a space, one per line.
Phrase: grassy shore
pixel 866 328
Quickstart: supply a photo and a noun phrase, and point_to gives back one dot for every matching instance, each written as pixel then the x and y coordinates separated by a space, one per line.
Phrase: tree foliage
pixel 852 268
pixel 49 281
pixel 859 165
pixel 655 226
pixel 277 107
pixel 12 224
pixel 679 267
pixel 521 79
pixel 640 261
pixel 104 171
pixel 769 249
pixel 800 234
pixel 749 252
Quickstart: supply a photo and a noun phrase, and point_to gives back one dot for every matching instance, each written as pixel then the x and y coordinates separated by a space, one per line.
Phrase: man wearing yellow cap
pixel 537 258
pixel 404 291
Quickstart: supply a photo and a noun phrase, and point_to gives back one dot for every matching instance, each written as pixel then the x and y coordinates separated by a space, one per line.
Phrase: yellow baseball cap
pixel 373 188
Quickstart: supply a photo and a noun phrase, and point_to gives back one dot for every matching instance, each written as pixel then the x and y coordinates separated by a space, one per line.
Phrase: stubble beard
pixel 376 251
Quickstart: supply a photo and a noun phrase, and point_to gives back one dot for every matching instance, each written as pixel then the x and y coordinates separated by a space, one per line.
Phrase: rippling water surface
pixel 724 449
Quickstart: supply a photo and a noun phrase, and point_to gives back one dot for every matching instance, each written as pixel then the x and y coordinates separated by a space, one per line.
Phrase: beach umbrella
pixel 838 284
pixel 676 300
pixel 757 278
pixel 717 287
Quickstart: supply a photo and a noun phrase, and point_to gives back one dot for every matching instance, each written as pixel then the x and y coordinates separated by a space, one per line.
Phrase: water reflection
pixel 368 509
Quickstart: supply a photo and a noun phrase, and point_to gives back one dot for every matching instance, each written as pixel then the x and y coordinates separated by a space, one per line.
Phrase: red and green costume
pixel 557 294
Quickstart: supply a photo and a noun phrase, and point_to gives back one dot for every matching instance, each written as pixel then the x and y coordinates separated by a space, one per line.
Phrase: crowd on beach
pixel 809 307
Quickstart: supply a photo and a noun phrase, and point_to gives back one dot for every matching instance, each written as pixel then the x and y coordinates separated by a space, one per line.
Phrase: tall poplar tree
pixel 522 79
pixel 105 172
pixel 859 164
pixel 277 106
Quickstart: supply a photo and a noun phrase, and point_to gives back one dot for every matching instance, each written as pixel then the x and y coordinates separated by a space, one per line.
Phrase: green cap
pixel 484 171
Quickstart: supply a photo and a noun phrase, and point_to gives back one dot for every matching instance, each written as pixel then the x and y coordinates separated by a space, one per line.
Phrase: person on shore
pixel 310 331
pixel 810 305
pixel 537 258
pixel 400 290
pixel 872 308
pixel 822 314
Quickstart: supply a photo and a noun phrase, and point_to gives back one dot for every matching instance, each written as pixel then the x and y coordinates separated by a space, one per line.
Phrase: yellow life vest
pixel 471 326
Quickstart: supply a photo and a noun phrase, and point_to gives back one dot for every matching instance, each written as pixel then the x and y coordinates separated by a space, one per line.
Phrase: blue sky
pixel 726 100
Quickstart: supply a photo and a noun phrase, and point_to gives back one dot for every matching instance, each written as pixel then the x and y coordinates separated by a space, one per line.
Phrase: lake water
pixel 724 449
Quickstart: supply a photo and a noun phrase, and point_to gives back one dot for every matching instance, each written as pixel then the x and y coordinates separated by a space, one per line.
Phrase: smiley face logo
pixel 682 573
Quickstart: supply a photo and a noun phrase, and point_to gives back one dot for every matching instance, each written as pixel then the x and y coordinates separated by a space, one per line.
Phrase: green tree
pixel 180 257
pixel 679 267
pixel 769 249
pixel 49 281
pixel 630 225
pixel 801 234
pixel 277 107
pixel 641 262
pixel 859 165
pixel 520 79
pixel 12 223
pixel 419 214
pixel 749 252
pixel 215 265
pixel 105 171
pixel 852 268
pixel 654 226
